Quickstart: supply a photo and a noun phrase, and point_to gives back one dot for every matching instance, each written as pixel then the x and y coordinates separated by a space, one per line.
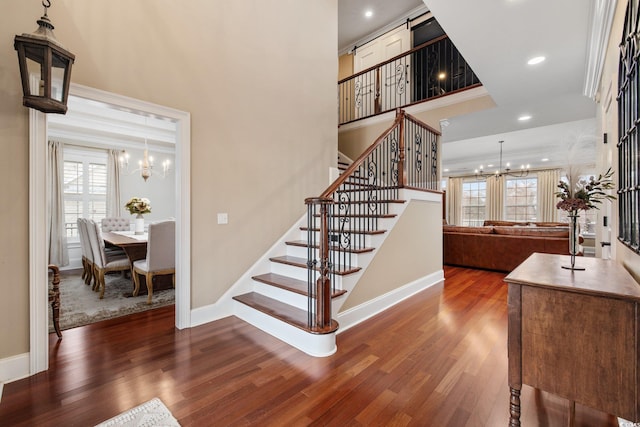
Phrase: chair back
pixel 85 244
pixel 97 243
pixel 161 246
pixel 115 224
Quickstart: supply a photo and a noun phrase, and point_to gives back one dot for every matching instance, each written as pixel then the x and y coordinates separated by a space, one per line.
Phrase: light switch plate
pixel 223 218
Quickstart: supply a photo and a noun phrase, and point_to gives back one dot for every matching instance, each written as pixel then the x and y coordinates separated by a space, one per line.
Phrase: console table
pixel 575 334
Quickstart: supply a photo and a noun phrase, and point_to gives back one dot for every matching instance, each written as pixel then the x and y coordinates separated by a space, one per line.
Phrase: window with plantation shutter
pixel 85 188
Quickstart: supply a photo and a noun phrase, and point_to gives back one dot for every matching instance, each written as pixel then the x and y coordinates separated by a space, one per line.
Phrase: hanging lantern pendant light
pixel 45 67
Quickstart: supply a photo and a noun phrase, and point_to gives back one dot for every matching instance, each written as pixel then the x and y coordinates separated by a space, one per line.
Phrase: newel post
pixel 402 177
pixel 320 290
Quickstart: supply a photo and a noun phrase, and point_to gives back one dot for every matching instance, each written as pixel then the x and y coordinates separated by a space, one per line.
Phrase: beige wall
pixel 412 251
pixel 354 141
pixel 608 120
pixel 345 66
pixel 258 78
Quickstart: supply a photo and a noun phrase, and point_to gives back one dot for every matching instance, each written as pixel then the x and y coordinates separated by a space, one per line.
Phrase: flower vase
pixel 573 241
pixel 139 223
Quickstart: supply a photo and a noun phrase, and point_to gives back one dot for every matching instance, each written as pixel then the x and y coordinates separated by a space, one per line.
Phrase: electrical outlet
pixel 223 218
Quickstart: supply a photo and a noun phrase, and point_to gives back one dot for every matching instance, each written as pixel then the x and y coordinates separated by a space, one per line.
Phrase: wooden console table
pixel 575 334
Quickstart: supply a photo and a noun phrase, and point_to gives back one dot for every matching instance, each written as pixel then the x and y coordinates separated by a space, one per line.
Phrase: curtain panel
pixel 495 198
pixel 114 205
pixel 547 200
pixel 56 231
pixel 454 201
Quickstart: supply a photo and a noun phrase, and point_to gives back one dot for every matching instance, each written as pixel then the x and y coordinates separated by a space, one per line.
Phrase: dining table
pixel 135 248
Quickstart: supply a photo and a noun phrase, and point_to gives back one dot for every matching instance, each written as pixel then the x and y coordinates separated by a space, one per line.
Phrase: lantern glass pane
pixel 36 85
pixel 57 80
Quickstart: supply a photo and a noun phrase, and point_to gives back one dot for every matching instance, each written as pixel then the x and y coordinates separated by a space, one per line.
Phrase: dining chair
pixel 115 224
pixel 103 263
pixel 87 253
pixel 161 256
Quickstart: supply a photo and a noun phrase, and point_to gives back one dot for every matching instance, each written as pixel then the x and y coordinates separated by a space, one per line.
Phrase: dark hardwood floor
pixel 436 359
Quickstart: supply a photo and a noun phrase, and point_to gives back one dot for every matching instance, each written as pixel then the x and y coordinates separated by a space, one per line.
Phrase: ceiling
pixel 497 38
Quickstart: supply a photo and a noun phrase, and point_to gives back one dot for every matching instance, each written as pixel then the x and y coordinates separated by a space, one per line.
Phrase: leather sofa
pixel 502 247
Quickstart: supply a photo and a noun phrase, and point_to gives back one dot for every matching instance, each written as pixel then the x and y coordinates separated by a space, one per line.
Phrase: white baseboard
pixel 364 311
pixel 14 368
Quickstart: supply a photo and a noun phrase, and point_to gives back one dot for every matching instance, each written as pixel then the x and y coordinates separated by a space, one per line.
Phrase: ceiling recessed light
pixel 368 13
pixel 536 60
pixel 524 118
pixel 544 160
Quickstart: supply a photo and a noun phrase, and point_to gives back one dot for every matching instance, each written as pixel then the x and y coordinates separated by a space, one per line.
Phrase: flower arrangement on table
pixel 580 194
pixel 138 205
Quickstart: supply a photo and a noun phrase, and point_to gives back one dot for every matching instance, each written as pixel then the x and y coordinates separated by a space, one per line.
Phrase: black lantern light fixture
pixel 45 67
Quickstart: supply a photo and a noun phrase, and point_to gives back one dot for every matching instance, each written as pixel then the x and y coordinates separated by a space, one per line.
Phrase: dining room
pixel 100 159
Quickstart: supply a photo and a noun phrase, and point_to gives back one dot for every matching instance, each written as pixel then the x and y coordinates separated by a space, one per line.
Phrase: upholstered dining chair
pixel 161 256
pixel 103 263
pixel 87 254
pixel 115 224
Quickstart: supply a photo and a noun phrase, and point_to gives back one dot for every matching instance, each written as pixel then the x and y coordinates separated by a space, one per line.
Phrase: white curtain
pixel 454 201
pixel 114 208
pixel 547 187
pixel 495 198
pixel 56 231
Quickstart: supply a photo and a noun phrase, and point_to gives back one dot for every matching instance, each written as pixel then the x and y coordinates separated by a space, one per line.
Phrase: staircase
pixel 297 294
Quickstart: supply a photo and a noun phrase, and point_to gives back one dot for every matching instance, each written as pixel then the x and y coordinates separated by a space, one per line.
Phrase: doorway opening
pixel 40 128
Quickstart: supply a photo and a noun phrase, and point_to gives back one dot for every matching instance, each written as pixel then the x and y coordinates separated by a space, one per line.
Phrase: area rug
pixel 150 414
pixel 80 306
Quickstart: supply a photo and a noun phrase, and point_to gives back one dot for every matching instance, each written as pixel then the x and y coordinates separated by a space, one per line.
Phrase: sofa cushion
pixel 500 223
pixel 533 231
pixel 549 224
pixel 467 230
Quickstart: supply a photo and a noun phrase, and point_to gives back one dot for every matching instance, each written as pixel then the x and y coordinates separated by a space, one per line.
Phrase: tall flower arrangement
pixel 577 194
pixel 138 205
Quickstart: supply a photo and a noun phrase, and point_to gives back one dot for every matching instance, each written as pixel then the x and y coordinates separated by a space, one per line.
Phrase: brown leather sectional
pixel 504 246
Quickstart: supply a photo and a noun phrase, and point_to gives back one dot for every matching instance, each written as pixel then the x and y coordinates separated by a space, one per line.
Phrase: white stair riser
pixel 282 295
pixel 312 344
pixel 289 270
pixel 354 238
pixel 300 252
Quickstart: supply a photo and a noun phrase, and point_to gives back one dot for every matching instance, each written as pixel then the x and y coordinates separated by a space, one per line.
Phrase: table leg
pixel 514 408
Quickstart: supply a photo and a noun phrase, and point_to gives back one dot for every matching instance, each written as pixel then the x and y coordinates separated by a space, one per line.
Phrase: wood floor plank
pixel 438 358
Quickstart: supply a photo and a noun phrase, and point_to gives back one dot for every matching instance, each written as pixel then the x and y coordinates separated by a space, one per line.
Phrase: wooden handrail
pixel 395 58
pixel 356 163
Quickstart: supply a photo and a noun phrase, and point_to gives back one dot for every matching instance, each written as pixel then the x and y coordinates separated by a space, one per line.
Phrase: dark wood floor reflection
pixel 437 359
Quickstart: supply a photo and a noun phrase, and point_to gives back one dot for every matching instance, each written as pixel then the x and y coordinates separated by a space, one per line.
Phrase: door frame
pixel 38 250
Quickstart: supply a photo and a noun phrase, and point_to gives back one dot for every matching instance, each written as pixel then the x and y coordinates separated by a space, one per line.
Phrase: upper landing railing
pixel 431 70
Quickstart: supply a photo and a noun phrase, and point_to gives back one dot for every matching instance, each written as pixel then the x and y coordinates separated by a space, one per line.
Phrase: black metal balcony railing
pixel 430 70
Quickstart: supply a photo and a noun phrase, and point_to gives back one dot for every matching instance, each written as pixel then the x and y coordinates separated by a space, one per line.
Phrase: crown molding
pixel 601 21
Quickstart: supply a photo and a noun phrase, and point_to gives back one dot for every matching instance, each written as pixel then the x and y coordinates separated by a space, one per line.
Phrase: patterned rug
pixel 151 413
pixel 80 306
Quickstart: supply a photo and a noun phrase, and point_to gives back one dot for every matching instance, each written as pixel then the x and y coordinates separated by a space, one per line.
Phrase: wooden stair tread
pixel 304 244
pixel 290 284
pixel 368 232
pixel 302 263
pixel 284 312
